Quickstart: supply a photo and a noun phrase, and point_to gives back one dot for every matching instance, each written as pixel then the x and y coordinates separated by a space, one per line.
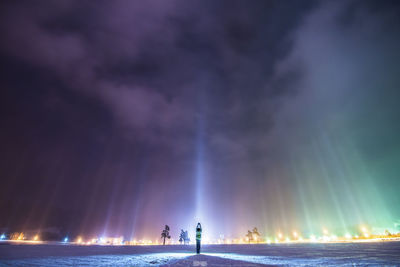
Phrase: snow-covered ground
pixel 333 254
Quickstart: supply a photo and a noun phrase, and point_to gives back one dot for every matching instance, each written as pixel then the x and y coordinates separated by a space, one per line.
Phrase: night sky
pixel 118 117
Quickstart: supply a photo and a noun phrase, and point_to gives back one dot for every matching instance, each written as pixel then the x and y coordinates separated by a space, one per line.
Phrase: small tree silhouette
pixel 253 235
pixel 182 236
pixel 249 236
pixel 256 234
pixel 165 233
pixel 186 238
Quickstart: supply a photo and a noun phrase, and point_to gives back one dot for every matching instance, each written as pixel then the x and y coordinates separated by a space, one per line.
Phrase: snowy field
pixel 333 254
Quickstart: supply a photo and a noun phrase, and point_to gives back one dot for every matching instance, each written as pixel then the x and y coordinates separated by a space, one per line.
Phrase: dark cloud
pixel 105 105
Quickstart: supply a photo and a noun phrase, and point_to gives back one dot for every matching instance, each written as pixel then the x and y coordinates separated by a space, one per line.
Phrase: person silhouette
pixel 198 237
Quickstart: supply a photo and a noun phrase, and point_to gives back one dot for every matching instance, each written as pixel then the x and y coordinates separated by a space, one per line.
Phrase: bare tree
pixel 182 236
pixel 249 236
pixel 253 235
pixel 256 234
pixel 165 234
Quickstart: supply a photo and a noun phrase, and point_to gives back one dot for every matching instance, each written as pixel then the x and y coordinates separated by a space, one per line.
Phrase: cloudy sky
pixel 119 117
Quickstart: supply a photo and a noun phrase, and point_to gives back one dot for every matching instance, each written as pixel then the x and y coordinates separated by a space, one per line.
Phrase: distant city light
pixel 326 238
pixel 313 238
pixel 365 235
pixel 20 236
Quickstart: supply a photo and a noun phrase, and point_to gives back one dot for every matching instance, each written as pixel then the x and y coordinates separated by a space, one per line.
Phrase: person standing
pixel 198 238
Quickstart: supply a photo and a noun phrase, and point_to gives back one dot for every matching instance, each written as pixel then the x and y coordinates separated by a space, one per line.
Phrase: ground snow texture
pixel 350 254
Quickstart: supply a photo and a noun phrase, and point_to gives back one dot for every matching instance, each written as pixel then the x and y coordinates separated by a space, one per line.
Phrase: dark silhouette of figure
pixel 198 237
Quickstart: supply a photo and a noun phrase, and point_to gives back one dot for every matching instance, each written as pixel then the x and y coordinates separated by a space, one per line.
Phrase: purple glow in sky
pixel 120 117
